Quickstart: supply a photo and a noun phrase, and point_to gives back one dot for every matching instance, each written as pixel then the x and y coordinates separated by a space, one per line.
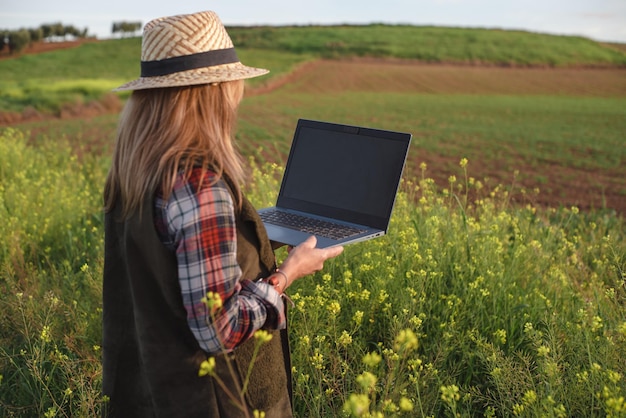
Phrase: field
pixel 482 113
pixel 498 292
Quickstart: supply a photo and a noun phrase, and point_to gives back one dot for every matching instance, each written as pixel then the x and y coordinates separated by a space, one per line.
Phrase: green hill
pixel 431 44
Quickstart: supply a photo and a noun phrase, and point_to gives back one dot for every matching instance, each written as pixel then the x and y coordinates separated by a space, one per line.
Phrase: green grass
pixel 116 59
pixel 515 131
pixel 52 232
pixel 430 44
pixel 86 73
pixel 53 95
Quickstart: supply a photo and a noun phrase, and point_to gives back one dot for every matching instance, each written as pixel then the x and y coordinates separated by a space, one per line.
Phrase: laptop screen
pixel 344 172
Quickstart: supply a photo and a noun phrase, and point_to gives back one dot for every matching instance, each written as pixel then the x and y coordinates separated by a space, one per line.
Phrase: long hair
pixel 165 130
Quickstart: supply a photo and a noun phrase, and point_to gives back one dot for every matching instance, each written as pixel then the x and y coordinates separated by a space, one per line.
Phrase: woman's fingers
pixel 305 259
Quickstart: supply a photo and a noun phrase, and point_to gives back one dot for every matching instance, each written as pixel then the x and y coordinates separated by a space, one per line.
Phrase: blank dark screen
pixel 358 173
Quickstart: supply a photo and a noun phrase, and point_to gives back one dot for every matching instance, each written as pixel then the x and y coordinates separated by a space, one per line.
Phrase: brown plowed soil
pixel 389 75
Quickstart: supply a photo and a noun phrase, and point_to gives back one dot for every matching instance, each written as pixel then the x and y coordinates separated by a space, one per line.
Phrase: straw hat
pixel 187 50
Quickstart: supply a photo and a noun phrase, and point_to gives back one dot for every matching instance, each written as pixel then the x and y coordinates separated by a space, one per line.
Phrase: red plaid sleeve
pixel 198 223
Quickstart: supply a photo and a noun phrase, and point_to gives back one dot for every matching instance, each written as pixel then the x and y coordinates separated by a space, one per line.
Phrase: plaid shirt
pixel 199 225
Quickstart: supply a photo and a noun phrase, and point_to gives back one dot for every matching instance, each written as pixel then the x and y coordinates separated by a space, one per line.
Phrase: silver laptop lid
pixel 344 172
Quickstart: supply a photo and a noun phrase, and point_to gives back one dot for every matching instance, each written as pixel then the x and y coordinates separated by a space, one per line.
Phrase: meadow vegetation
pixel 469 306
pixel 479 301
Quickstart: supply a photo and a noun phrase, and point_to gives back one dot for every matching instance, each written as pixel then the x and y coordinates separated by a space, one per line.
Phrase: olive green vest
pixel 150 356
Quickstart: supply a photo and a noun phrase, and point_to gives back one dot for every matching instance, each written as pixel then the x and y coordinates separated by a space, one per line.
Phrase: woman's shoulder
pixel 199 179
pixel 193 191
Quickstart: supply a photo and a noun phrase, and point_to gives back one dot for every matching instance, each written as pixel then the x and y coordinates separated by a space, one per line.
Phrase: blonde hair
pixel 165 130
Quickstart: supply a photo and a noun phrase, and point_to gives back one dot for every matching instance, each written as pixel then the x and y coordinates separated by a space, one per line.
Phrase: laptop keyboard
pixel 310 225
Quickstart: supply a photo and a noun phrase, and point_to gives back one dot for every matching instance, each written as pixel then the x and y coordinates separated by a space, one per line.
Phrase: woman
pixel 177 227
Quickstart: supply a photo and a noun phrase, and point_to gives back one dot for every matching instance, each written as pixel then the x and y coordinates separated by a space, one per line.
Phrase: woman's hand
pixel 305 259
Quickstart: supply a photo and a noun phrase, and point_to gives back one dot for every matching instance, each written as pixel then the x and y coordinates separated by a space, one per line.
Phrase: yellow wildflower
pixel 262 336
pixel 207 367
pixel 213 301
pixel 450 394
pixel 357 405
pixel 405 404
pixel 406 340
pixel 366 380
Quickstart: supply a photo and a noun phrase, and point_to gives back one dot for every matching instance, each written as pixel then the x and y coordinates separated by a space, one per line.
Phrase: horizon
pixel 599 20
pixel 110 35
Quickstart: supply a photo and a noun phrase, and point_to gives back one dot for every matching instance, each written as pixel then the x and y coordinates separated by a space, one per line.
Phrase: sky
pixel 600 20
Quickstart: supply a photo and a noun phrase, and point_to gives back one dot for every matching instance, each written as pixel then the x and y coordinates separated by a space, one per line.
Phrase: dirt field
pixel 589 189
pixel 411 76
pixel 568 186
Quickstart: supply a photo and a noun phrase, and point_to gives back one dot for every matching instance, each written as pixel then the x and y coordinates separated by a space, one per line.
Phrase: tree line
pixel 17 40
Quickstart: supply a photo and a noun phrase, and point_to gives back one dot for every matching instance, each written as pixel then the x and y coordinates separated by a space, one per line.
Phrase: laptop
pixel 339 184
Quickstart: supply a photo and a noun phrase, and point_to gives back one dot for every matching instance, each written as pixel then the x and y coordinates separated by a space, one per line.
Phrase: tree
pixel 4 39
pixel 35 34
pixel 71 30
pixel 125 27
pixel 52 31
pixel 46 30
pixel 18 40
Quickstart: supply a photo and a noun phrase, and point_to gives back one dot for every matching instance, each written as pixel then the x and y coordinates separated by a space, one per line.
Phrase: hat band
pixel 188 62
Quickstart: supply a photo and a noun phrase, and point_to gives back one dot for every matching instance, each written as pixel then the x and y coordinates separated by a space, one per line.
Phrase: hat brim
pixel 206 75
